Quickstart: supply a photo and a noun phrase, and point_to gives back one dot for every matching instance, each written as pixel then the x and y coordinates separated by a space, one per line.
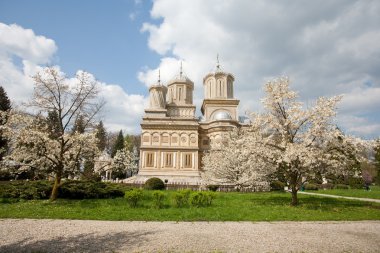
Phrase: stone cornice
pixel 168 126
pixel 172 105
pixel 172 148
pixel 219 102
pixel 153 110
pixel 216 126
pixel 170 120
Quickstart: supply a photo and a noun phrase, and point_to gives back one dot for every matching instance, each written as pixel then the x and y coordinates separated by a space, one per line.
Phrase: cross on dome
pixel 217 62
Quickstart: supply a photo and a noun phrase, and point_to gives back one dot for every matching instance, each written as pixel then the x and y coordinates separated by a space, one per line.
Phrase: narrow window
pixel 169 160
pixel 220 88
pixel 209 85
pixel 149 159
pixel 187 161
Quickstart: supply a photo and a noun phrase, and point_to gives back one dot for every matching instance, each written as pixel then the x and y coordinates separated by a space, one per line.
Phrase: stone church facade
pixel 173 139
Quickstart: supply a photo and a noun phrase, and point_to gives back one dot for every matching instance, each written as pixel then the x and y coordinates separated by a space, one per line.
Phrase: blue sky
pixel 101 37
pixel 326 48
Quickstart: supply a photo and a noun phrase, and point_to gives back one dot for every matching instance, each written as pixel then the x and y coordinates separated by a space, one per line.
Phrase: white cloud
pixel 326 49
pixel 361 99
pixel 17 43
pixel 15 40
pixel 122 110
pixel 360 126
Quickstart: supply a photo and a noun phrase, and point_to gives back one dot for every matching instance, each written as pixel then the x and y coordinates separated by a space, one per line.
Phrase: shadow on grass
pixel 128 241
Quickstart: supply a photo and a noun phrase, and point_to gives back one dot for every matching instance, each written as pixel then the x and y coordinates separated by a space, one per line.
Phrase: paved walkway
pixel 340 197
pixel 29 235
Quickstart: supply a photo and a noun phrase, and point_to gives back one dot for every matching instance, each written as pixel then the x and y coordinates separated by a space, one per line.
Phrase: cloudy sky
pixel 325 47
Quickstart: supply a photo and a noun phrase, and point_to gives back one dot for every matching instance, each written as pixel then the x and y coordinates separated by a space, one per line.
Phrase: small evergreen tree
pixel 79 125
pixel 5 105
pixel 377 160
pixel 53 125
pixel 119 144
pixel 101 135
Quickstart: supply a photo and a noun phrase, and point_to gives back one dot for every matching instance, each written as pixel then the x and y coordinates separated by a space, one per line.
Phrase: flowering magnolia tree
pixel 46 142
pixel 232 162
pixel 287 139
pixel 301 142
pixel 125 161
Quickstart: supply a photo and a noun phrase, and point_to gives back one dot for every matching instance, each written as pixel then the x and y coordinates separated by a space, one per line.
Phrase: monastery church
pixel 173 139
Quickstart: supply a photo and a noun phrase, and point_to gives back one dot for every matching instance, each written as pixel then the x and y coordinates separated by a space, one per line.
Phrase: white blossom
pixel 48 144
pixel 125 161
pixel 287 138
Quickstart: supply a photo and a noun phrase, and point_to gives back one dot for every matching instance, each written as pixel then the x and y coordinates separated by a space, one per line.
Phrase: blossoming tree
pixel 300 142
pixel 50 145
pixel 125 161
pixel 232 162
pixel 288 139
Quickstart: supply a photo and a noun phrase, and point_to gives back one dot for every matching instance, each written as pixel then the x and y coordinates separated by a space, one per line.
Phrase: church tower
pixel 219 102
pixel 169 138
pixel 180 97
pixel 157 100
pixel 219 107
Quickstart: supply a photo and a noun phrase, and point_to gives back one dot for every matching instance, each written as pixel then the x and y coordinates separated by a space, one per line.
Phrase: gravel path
pixel 28 235
pixel 340 197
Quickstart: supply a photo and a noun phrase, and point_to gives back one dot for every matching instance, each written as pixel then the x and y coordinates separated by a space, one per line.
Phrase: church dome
pixel 222 115
pixel 181 78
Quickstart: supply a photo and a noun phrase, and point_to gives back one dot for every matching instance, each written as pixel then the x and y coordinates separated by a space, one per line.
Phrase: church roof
pixel 181 78
pixel 218 70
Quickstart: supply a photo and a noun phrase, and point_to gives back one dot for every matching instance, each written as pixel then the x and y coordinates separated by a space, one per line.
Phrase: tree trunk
pixel 57 182
pixel 294 196
pixel 294 187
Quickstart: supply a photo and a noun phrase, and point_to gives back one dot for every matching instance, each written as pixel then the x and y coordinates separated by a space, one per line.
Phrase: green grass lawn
pixel 374 193
pixel 226 207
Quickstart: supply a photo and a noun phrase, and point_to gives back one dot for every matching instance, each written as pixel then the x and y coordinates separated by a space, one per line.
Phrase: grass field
pixel 268 206
pixel 374 193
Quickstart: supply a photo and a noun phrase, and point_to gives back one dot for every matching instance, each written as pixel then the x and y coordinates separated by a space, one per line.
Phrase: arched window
pixel 220 88
pixel 209 87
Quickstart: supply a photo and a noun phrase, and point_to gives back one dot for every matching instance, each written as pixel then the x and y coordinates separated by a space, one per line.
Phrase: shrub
pixel 326 186
pixel 89 190
pixel 198 199
pixel 8 200
pixel 311 187
pixel 213 187
pixel 29 193
pixel 133 197
pixel 356 186
pixel 356 182
pixel 158 199
pixel 277 186
pixel 341 186
pixel 26 189
pixel 181 198
pixel 69 189
pixel 210 196
pixel 154 183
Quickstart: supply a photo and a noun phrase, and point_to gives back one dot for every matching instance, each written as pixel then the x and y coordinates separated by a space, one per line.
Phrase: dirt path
pixel 29 235
pixel 340 197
